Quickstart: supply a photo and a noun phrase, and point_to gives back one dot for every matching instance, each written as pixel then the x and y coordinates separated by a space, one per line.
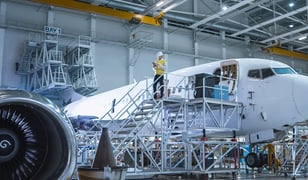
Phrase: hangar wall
pixel 111 42
pixel 2 35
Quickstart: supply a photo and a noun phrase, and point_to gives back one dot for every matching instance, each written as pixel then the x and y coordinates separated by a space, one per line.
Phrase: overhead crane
pixel 91 8
pixel 284 52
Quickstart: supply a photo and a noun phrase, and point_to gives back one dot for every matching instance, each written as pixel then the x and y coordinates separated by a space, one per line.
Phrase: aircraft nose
pixel 300 95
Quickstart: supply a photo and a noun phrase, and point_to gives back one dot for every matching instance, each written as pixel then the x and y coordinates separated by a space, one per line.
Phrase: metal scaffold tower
pixel 81 66
pixel 48 67
pixel 168 136
pixel 30 54
pixel 139 40
pixel 43 64
pixel 293 153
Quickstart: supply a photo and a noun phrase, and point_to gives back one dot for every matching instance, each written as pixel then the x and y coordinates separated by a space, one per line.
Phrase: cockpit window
pixel 260 73
pixel 284 70
pixel 254 73
pixel 267 72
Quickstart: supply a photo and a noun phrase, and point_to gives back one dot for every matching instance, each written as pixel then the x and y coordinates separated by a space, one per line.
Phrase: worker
pixel 159 66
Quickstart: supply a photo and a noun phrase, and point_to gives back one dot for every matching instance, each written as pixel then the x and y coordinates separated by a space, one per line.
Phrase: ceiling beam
pixel 285 34
pixel 302 48
pixel 271 21
pixel 221 13
pixel 294 39
pixel 90 8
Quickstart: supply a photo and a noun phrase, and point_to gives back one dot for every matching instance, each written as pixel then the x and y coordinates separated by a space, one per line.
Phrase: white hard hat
pixel 159 54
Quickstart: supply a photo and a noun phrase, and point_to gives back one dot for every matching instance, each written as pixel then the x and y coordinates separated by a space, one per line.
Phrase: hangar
pixel 71 50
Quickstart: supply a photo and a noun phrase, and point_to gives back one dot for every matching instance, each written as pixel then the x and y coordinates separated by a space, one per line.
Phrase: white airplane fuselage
pixel 273 102
pixel 272 94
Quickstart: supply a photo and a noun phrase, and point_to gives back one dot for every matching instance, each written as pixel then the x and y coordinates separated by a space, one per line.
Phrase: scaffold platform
pixel 169 135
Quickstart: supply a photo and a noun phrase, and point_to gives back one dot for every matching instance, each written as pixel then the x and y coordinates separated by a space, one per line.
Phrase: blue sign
pixel 52 30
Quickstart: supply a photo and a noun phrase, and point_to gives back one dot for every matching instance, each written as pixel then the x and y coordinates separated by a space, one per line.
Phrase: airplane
pixel 272 94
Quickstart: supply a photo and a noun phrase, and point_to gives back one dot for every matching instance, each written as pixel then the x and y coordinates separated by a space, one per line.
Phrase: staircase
pixel 27 62
pixel 144 124
pixel 134 120
pixel 137 125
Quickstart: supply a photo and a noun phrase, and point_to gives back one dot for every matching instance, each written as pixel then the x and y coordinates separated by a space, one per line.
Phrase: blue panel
pixel 221 92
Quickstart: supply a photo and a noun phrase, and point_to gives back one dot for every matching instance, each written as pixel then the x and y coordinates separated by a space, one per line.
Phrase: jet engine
pixel 36 139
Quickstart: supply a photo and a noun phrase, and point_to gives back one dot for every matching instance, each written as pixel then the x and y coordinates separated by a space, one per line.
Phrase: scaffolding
pixel 81 66
pixel 169 136
pixel 42 64
pixel 47 67
pixel 287 157
pixel 293 153
pixel 29 57
pixel 140 39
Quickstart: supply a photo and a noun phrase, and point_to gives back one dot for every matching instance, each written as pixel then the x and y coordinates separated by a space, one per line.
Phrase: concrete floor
pixel 243 176
pixel 261 177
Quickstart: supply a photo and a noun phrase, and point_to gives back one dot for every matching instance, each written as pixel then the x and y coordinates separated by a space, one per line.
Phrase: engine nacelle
pixel 36 139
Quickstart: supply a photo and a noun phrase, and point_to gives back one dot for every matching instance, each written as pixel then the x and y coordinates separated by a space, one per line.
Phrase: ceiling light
pixel 302 38
pixel 169 7
pixel 224 8
pixel 159 3
pixel 291 4
pixel 291 25
pixel 173 5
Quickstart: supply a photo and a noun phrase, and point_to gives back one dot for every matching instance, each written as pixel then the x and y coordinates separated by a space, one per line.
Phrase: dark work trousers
pixel 158 79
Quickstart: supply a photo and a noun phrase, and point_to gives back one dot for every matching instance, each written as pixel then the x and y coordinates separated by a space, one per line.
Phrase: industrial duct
pixel 36 139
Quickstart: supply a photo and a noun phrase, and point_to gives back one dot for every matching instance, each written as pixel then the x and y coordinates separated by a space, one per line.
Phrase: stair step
pixel 179 123
pixel 138 119
pixel 141 113
pixel 129 129
pixel 146 107
pixel 130 125
pixel 125 131
pixel 119 137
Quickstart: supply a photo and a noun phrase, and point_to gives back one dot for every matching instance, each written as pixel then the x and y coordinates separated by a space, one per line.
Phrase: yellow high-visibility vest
pixel 159 68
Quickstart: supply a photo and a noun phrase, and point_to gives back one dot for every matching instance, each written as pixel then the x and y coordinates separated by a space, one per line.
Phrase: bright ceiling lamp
pixel 302 38
pixel 173 5
pixel 160 3
pixel 224 7
pixel 162 6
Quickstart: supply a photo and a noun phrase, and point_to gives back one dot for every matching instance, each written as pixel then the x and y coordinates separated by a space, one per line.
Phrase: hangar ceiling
pixel 270 23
